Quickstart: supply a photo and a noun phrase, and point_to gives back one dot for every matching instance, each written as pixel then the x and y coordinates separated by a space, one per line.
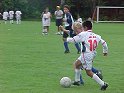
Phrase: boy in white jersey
pixel 59 15
pixel 18 17
pixel 11 15
pixel 5 16
pixel 89 42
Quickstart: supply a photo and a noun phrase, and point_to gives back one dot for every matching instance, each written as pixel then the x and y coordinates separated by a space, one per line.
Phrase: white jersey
pixel 18 14
pixel 59 14
pixel 11 13
pixel 80 20
pixel 5 15
pixel 46 19
pixel 89 41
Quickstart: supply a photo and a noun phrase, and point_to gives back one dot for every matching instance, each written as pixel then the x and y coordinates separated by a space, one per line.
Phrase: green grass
pixel 32 63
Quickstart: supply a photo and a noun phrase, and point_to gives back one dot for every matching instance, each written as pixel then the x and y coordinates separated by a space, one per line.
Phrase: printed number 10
pixel 93 44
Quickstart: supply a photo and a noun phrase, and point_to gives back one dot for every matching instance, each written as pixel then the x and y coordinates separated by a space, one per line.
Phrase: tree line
pixel 32 8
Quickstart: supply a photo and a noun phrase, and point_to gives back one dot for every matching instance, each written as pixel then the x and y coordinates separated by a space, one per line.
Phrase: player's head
pixel 87 25
pixel 66 8
pixel 77 27
pixel 58 7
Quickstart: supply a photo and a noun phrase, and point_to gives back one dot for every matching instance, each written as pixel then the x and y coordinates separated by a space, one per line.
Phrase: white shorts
pixel 5 18
pixel 86 60
pixel 11 17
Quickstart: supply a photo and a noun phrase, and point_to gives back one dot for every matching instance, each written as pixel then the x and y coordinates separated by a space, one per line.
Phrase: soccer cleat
pixel 104 86
pixel 99 74
pixel 67 51
pixel 76 83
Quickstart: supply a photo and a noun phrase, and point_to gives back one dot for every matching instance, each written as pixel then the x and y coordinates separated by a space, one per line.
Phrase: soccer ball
pixel 65 82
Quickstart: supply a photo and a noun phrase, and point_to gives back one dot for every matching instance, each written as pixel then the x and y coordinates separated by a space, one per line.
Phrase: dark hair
pixel 87 24
pixel 66 6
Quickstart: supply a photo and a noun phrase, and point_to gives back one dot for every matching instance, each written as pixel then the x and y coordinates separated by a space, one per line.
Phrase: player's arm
pixel 63 29
pixel 68 19
pixel 105 47
pixel 75 39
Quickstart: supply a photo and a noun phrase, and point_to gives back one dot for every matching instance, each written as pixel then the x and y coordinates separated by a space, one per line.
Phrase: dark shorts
pixel 71 34
pixel 58 22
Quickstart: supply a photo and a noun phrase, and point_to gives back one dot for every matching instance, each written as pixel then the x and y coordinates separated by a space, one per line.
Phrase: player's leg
pixel 45 30
pixel 76 44
pixel 97 72
pixel 97 79
pixel 88 66
pixel 17 21
pixel 65 43
pixel 77 66
pixel 58 29
pixel 78 48
pixel 65 35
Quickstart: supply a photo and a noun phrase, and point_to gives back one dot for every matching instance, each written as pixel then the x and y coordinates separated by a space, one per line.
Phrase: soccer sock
pixel 98 80
pixel 12 21
pixel 81 79
pixel 77 46
pixel 66 46
pixel 77 75
pixel 94 70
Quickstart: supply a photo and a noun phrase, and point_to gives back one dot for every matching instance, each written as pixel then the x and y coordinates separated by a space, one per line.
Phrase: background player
pixel 90 41
pixel 11 15
pixel 68 20
pixel 18 16
pixel 5 16
pixel 59 15
pixel 46 15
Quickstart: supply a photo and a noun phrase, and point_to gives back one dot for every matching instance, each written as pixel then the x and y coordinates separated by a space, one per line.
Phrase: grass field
pixel 33 63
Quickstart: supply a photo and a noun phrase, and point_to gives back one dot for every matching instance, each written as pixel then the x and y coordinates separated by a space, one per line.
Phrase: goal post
pixel 106 13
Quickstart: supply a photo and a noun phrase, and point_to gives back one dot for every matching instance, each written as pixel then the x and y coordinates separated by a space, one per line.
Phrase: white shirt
pixel 11 13
pixel 18 13
pixel 59 14
pixel 89 40
pixel 5 15
pixel 80 20
pixel 46 19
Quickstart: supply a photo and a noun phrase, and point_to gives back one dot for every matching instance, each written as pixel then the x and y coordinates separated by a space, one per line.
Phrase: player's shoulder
pixel 68 14
pixel 82 34
pixel 97 35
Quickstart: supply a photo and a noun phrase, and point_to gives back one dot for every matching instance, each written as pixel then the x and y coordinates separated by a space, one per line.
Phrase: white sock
pixel 98 80
pixel 77 74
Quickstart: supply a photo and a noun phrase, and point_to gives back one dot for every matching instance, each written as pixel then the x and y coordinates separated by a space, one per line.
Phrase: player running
pixel 68 20
pixel 89 42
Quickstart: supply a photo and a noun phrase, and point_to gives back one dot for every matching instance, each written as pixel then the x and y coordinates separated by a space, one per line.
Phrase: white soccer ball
pixel 65 82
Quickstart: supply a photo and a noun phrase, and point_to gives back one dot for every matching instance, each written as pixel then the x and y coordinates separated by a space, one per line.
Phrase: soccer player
pixel 11 13
pixel 5 16
pixel 46 18
pixel 89 42
pixel 59 15
pixel 18 17
pixel 68 20
pixel 79 19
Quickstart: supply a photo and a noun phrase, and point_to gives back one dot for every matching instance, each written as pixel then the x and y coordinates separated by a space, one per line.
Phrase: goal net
pixel 108 14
